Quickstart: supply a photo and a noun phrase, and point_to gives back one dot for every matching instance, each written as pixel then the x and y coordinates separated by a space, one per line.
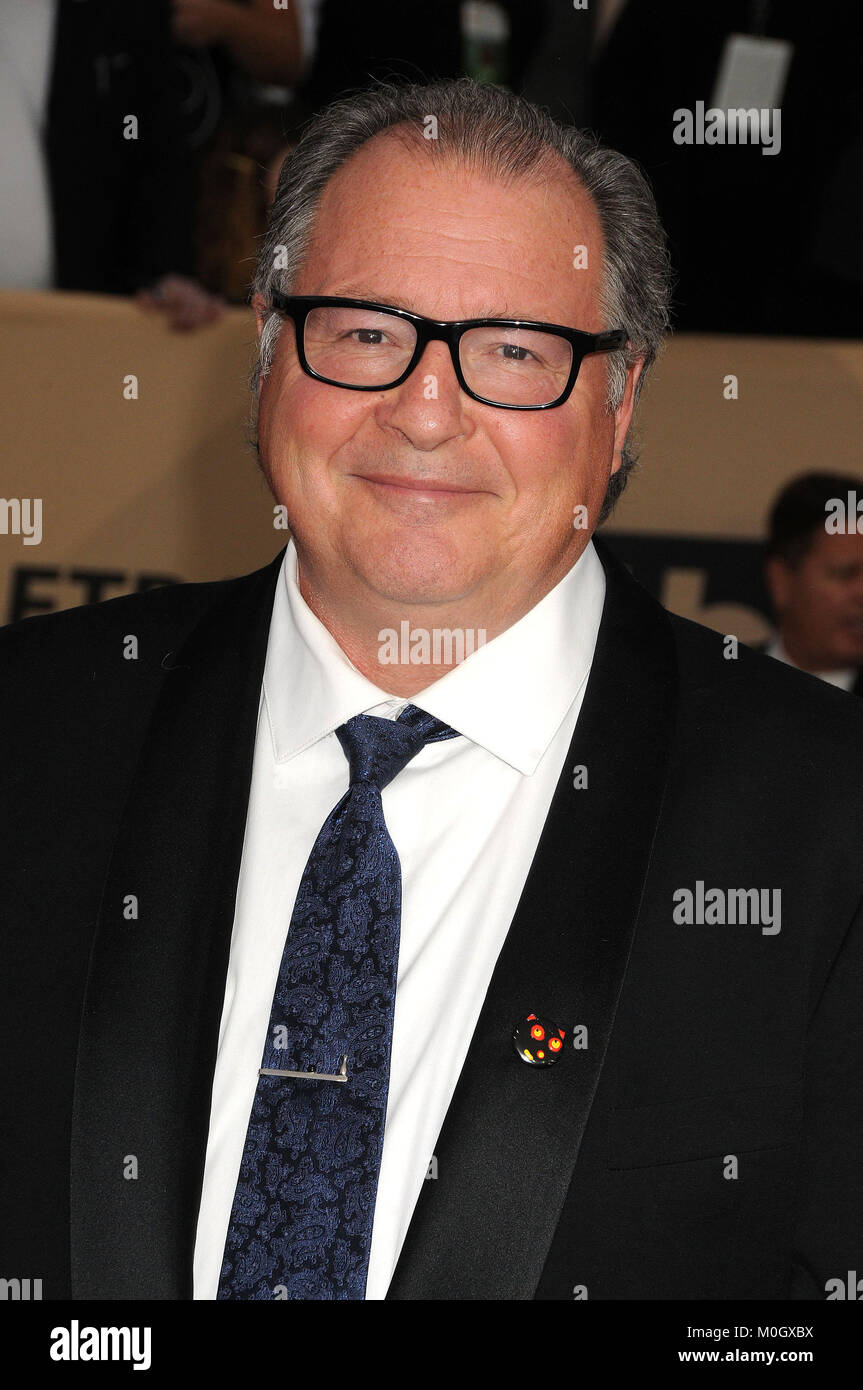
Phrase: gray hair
pixel 504 137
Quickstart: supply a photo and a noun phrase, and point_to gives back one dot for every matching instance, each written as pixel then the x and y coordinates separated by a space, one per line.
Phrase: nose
pixel 429 408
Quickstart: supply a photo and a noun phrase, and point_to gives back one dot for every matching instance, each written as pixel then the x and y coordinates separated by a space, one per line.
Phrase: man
pixel 346 968
pixel 814 572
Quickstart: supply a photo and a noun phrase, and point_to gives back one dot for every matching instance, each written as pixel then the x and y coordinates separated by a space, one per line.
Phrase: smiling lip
pixel 414 484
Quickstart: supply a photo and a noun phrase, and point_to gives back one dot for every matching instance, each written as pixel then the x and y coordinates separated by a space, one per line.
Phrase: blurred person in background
pixel 489 40
pixel 814 572
pixel 346 48
pixel 97 188
pixel 263 39
pixel 730 208
pixel 240 66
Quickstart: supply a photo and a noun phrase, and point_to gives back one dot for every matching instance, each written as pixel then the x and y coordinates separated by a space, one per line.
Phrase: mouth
pixel 417 487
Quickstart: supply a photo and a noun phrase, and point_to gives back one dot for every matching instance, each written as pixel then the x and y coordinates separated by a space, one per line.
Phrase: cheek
pixel 556 463
pixel 840 597
pixel 304 423
pixel 822 600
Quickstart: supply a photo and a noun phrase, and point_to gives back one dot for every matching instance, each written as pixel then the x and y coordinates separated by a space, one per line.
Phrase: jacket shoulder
pixel 169 609
pixel 159 619
pixel 747 689
pixel 103 662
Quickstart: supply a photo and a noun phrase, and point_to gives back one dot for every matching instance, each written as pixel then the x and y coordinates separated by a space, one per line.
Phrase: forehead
pixel 403 224
pixel 837 548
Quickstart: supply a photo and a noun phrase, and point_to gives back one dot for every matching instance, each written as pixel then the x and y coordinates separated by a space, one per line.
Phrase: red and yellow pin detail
pixel 538 1041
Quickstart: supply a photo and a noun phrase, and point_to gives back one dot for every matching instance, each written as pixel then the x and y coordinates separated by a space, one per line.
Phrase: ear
pixel 261 308
pixel 623 413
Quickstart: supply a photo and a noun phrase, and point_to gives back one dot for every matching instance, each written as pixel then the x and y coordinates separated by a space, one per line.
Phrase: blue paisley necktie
pixel 301 1223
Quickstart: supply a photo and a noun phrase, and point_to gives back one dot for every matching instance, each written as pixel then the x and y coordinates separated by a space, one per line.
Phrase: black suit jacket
pixel 855 689
pixel 607 1175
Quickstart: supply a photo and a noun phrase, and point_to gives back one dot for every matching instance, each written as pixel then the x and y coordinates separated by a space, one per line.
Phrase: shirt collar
pixel 510 695
pixel 843 676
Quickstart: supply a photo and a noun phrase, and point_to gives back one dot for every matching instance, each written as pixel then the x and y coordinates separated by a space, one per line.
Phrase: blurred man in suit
pixel 430 915
pixel 98 188
pixel 814 572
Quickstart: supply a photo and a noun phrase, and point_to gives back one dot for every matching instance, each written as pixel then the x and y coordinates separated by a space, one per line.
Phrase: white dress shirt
pixel 843 677
pixel 465 816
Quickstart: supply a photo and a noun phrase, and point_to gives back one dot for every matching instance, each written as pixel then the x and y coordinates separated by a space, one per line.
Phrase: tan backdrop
pixel 165 485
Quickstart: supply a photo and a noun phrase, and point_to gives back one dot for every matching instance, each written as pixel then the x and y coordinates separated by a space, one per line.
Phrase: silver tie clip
pixel 341 1075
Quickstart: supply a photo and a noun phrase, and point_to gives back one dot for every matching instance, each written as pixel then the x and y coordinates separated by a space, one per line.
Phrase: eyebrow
pixel 363 292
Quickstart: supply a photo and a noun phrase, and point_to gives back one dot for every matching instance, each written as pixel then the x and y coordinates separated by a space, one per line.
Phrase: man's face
pixel 418 494
pixel 820 603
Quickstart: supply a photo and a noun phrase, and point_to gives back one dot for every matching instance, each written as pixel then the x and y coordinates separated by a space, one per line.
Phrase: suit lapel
pixel 156 983
pixel 511 1137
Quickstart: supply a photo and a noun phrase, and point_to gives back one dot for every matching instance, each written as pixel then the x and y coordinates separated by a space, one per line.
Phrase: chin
pixel 841 658
pixel 411 586
pixel 417 571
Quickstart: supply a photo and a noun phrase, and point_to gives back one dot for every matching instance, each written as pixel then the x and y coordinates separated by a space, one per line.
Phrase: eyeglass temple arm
pixel 611 340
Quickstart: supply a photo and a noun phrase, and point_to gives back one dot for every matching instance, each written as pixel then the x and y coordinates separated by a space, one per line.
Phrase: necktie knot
pixel 377 749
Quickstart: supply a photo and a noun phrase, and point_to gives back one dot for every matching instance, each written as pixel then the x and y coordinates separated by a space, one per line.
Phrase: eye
pixel 372 336
pixel 507 346
pixel 538 1032
pixel 513 353
pixel 554 1044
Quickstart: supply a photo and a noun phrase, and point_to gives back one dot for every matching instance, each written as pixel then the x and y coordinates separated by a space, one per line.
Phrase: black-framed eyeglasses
pixel 516 364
